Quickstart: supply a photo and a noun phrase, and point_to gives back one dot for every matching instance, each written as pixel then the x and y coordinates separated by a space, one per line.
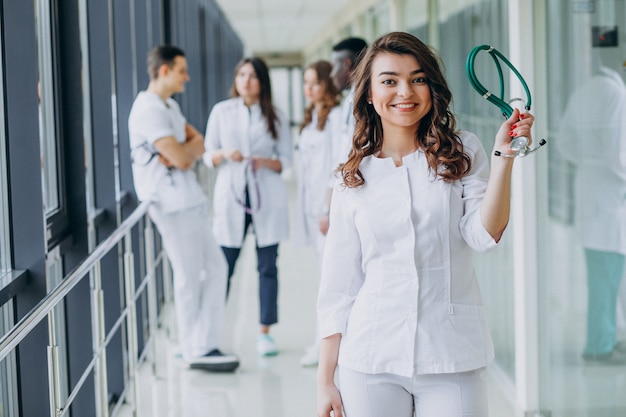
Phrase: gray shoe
pixel 215 361
pixel 620 346
pixel 615 357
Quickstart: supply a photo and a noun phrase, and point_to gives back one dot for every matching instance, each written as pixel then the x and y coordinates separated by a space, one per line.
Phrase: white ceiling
pixel 267 26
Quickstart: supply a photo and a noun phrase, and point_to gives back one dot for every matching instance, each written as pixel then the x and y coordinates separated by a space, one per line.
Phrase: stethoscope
pixel 243 200
pixel 519 145
pixel 146 156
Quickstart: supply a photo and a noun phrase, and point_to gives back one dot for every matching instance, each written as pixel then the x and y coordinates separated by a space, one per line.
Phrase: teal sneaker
pixel 266 346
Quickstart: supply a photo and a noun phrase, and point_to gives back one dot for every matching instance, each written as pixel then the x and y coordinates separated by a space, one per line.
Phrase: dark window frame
pixel 57 224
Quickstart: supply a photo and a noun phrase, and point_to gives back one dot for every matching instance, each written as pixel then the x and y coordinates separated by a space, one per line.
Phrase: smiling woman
pixel 399 307
pixel 400 94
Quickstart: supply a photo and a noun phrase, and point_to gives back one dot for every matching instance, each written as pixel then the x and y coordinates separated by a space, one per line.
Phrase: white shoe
pixel 266 346
pixel 311 357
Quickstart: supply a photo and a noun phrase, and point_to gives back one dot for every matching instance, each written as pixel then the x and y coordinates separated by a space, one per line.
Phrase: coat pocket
pixel 467 331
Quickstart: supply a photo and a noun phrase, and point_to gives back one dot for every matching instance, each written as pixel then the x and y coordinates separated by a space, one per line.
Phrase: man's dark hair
pixel 162 55
pixel 352 45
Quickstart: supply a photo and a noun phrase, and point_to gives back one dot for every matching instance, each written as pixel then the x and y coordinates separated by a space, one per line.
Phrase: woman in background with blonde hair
pixel 315 164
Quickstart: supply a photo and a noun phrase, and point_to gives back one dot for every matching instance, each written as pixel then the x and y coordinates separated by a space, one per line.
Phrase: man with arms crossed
pixel 164 150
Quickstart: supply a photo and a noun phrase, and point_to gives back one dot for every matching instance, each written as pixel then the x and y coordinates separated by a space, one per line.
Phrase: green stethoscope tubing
pixel 504 107
pixel 518 144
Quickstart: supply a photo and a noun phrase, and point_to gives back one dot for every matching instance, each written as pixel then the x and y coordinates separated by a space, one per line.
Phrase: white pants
pixel 461 394
pixel 200 276
pixel 319 240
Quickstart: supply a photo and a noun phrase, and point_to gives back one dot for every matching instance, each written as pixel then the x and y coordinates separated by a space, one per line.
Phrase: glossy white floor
pixel 262 387
pixel 280 387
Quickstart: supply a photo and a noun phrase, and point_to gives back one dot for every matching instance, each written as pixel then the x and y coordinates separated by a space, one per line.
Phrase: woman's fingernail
pixel 513 127
pixel 521 116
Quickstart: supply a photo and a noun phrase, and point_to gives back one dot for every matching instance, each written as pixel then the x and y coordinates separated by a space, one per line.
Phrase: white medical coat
pixel 397 279
pixel 316 164
pixel 152 119
pixel 593 137
pixel 342 143
pixel 232 125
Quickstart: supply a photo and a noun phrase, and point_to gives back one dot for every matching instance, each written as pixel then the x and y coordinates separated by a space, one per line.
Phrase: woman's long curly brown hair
pixel 265 99
pixel 331 98
pixel 436 134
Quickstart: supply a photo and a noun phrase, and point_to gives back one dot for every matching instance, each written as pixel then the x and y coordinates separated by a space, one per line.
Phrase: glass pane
pixel 461 29
pixel 583 241
pixel 297 97
pixel 45 89
pixel 4 212
pixel 416 18
pixel 380 19
pixel 280 89
pixel 287 93
pixel 8 375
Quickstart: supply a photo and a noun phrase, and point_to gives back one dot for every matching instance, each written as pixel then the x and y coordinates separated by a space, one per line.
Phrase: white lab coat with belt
pixel 593 137
pixel 316 163
pixel 397 279
pixel 232 125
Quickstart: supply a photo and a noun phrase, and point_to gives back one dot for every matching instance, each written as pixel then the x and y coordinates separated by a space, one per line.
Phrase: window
pixel 5 264
pixel 8 374
pixel 51 158
pixel 416 18
pixel 46 109
pixel 379 16
pixel 582 193
pixel 8 393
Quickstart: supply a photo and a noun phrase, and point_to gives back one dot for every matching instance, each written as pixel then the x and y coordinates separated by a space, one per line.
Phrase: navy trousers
pixel 268 276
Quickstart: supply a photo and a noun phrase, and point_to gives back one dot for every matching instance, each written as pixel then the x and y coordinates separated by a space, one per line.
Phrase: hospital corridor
pixel 140 138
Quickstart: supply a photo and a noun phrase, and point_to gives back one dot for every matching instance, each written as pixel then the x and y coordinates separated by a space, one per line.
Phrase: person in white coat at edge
pixel 164 150
pixel 315 166
pixel 399 308
pixel 592 136
pixel 248 141
pixel 344 59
